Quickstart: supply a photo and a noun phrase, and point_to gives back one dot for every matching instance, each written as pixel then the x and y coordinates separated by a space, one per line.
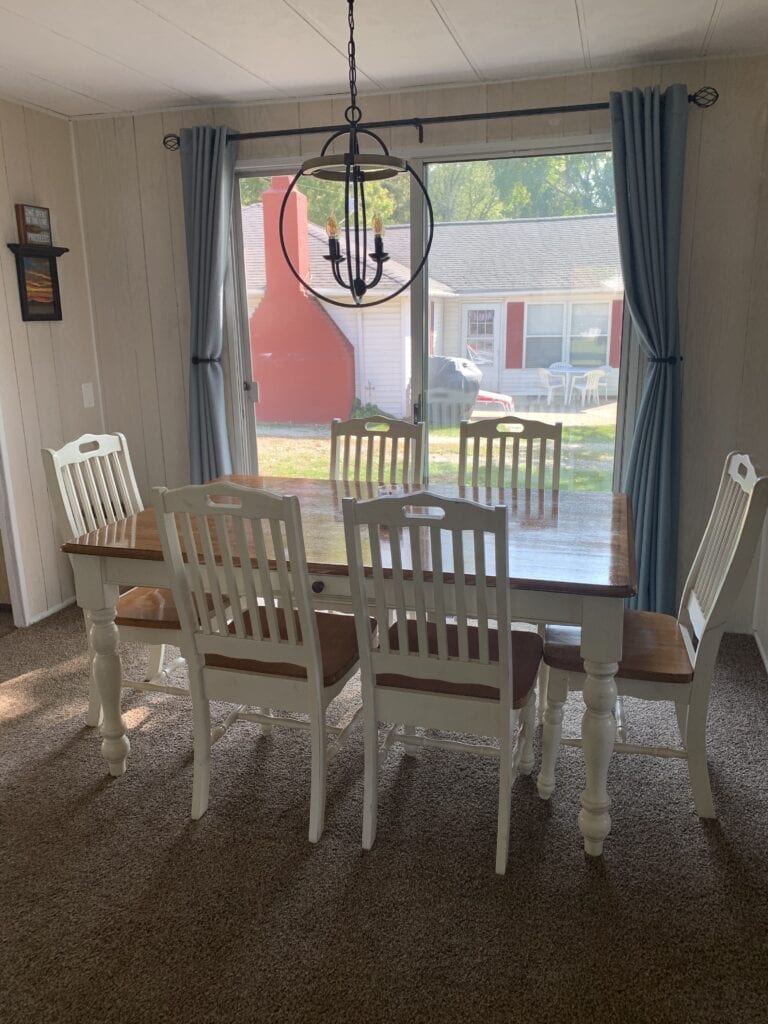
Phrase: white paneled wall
pixel 42 365
pixel 135 244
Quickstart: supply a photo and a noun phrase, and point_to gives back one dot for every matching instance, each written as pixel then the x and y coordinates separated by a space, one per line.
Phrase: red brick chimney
pixel 295 234
pixel 303 363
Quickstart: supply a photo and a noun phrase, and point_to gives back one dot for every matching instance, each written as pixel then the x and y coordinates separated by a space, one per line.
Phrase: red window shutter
pixel 614 345
pixel 515 322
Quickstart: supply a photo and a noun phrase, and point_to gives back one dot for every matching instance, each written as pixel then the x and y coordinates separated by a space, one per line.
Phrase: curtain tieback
pixel 196 360
pixel 671 360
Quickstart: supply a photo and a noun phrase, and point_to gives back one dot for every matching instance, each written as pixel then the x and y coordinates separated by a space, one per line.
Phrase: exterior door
pixel 481 337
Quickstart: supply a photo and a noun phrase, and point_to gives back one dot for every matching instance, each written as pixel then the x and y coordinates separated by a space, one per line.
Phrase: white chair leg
pixel 156 656
pixel 542 680
pixel 528 719
pixel 698 772
pixel 93 715
pixel 370 777
pixel 505 796
pixel 681 711
pixel 553 730
pixel 317 788
pixel 201 778
pixel 621 720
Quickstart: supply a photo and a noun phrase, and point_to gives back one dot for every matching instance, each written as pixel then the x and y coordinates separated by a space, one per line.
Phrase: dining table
pixel 571 559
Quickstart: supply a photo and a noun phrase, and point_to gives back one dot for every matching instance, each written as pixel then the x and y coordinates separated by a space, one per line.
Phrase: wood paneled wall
pixel 42 365
pixel 135 243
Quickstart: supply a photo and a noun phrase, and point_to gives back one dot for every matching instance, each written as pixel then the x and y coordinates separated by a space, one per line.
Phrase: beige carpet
pixel 116 907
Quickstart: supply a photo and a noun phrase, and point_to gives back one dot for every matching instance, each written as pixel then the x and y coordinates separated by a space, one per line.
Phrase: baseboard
pixel 50 611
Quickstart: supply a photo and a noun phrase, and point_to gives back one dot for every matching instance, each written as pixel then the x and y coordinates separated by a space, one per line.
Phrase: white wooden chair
pixel 91 484
pixel 377 449
pixel 510 452
pixel 666 658
pixel 272 650
pixel 588 386
pixel 550 384
pixel 459 675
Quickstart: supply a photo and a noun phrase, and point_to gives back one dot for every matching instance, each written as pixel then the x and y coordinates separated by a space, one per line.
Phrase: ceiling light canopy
pixel 354 268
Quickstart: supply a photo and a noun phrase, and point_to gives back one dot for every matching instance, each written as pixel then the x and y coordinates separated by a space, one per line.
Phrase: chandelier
pixel 354 268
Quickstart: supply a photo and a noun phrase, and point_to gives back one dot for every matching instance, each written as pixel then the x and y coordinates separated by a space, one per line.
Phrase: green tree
pixel 556 186
pixel 464 191
pixel 327 197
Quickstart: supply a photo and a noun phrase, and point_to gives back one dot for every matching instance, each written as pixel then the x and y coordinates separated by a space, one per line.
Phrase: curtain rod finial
pixel 706 96
pixel 171 141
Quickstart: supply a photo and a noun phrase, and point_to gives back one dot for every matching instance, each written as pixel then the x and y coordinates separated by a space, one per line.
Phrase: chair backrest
pixel 510 452
pixel 91 483
pixel 377 449
pixel 723 558
pixel 447 554
pixel 261 609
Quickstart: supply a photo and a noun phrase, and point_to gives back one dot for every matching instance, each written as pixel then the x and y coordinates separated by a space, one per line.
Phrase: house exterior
pixel 511 295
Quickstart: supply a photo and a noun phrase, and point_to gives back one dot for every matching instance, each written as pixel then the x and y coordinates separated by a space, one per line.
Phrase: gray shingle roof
pixel 545 254
pixel 537 255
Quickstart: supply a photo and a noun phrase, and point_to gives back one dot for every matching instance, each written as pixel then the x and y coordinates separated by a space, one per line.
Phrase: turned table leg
pixel 107 671
pixel 601 641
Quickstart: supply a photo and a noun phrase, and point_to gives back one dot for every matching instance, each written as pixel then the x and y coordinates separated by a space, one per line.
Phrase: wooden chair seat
pixel 653 649
pixel 526 656
pixel 147 608
pixel 338 647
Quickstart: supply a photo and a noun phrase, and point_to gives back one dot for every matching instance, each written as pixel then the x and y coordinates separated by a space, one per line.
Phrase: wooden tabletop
pixel 577 542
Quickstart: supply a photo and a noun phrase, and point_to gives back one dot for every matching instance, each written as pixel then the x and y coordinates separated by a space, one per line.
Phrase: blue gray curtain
pixel 649 132
pixel 207 172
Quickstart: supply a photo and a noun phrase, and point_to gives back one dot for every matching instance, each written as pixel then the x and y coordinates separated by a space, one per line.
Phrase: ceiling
pixel 87 57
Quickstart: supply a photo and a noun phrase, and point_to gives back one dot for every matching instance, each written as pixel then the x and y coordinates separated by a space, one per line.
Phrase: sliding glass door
pixel 521 311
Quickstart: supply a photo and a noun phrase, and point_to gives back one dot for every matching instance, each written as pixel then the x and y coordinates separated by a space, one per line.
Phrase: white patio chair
pixel 510 452
pixel 272 650
pixel 667 658
pixel 376 449
pixel 588 386
pixel 459 675
pixel 91 484
pixel 550 384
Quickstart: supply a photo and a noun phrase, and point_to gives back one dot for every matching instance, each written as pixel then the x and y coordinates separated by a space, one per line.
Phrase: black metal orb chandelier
pixel 355 269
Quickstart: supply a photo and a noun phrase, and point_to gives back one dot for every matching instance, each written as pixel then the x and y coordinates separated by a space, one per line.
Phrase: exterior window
pixel 480 335
pixel 543 334
pixel 589 333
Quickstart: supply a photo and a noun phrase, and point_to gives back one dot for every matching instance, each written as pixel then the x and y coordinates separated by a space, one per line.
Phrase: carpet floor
pixel 116 907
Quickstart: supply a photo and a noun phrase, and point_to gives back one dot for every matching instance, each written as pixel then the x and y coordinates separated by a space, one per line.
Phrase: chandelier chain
pixel 353 113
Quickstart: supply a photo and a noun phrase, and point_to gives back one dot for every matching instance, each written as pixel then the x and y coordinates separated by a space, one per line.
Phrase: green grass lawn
pixel 586 461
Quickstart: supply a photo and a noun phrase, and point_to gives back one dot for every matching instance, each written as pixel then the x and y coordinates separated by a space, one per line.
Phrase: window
pixel 589 334
pixel 543 334
pixel 480 335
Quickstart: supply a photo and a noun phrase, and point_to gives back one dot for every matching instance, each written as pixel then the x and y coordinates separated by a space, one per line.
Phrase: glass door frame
pixel 244 450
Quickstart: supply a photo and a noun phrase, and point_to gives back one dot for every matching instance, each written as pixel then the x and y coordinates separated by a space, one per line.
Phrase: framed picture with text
pixel 34 224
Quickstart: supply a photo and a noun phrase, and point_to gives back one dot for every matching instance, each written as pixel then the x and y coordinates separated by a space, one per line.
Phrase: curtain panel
pixel 208 173
pixel 649 136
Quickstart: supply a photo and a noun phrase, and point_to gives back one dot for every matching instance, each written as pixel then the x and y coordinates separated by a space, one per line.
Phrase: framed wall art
pixel 38 281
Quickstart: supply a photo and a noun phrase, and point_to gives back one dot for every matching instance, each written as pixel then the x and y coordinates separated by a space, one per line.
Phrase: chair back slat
pixel 437 550
pixel 377 449
pixel 91 483
pixel 243 591
pixel 725 552
pixel 510 452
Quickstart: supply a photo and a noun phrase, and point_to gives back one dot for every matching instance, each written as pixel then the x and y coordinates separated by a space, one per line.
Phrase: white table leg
pixel 601 640
pixel 107 671
pixel 598 733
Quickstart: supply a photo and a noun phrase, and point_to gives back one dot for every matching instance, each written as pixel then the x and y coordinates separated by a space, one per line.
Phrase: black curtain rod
pixel 706 96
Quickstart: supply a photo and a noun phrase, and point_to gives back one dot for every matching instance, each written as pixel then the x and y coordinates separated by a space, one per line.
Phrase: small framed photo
pixel 38 287
pixel 34 224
